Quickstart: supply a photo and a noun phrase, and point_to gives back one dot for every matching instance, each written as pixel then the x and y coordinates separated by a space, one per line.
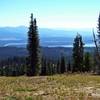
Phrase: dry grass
pixel 57 87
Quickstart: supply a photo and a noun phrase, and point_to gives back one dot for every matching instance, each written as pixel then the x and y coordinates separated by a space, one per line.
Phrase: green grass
pixel 57 87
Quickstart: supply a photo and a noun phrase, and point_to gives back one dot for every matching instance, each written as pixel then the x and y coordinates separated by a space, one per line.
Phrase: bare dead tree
pixel 97 52
pixel 95 41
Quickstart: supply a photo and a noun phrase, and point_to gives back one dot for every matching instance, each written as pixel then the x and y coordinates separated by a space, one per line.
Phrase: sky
pixel 50 13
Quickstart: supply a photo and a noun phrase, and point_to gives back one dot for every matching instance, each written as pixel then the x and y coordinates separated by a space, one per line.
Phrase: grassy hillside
pixel 57 87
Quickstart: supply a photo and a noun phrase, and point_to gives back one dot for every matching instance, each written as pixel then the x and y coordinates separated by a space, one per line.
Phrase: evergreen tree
pixel 95 63
pixel 44 65
pixel 58 67
pixel 78 51
pixel 63 65
pixel 69 66
pixel 33 49
pixel 49 68
pixel 87 62
pixel 55 68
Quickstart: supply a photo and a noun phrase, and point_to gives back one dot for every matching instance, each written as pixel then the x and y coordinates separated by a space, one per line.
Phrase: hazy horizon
pixel 51 28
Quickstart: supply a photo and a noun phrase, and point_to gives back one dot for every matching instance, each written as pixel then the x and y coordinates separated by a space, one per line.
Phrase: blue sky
pixel 50 13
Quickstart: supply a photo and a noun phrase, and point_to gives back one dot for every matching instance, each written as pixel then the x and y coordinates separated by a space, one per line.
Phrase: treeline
pixel 17 66
pixel 37 64
pixel 14 66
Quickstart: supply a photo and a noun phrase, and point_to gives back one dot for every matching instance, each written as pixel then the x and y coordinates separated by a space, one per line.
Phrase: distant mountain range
pixel 17 36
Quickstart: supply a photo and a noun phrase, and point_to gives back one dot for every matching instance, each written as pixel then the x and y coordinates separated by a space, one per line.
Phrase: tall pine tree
pixel 33 67
pixel 78 51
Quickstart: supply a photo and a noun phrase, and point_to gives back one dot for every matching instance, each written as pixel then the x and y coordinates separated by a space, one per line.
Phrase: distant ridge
pixel 48 37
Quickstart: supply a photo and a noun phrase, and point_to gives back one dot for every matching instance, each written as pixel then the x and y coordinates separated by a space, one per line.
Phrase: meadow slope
pixel 57 87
